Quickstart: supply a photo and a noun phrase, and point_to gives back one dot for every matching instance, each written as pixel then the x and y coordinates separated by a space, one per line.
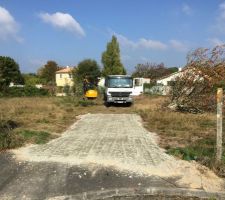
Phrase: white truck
pixel 118 89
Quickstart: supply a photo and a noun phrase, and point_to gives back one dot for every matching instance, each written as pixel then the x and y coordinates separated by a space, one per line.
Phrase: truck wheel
pixel 107 104
pixel 129 104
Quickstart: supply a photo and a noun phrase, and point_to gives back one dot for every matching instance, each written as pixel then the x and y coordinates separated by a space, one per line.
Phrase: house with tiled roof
pixel 64 77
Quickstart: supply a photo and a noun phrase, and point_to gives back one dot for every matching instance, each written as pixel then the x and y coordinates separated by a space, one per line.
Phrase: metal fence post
pixel 219 139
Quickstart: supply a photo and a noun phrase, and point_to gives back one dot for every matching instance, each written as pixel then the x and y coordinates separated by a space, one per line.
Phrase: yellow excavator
pixel 90 89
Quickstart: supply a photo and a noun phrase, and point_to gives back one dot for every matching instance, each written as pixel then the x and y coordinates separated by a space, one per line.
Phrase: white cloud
pixel 215 41
pixel 178 45
pixel 151 44
pixel 63 21
pixel 141 43
pixel 124 41
pixel 186 9
pixel 9 28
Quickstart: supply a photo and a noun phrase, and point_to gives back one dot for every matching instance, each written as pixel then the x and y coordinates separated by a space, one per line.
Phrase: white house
pixel 169 78
pixel 163 85
pixel 138 85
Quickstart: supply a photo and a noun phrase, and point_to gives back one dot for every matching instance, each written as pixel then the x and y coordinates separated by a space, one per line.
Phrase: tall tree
pixel 111 59
pixel 47 72
pixel 9 72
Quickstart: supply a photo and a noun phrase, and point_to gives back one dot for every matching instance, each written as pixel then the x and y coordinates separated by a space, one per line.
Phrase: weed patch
pixel 37 137
pixel 8 139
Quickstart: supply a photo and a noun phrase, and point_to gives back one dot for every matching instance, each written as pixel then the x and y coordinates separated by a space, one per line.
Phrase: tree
pixel 152 70
pixel 32 79
pixel 87 68
pixel 111 59
pixel 47 72
pixel 9 72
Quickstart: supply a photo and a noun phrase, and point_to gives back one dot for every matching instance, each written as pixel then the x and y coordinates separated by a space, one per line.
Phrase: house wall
pixel 168 79
pixel 63 79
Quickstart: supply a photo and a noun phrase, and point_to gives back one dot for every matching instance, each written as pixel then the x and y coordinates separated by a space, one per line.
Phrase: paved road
pixel 101 152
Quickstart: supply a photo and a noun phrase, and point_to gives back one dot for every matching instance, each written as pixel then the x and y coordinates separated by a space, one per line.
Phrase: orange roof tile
pixel 65 70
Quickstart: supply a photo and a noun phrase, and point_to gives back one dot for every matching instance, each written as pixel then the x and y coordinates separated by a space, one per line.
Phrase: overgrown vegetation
pixel 195 89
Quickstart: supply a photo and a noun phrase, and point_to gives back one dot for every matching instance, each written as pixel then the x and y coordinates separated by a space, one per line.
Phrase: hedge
pixel 27 91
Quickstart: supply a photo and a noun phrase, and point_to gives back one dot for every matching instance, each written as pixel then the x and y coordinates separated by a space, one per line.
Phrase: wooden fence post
pixel 219 139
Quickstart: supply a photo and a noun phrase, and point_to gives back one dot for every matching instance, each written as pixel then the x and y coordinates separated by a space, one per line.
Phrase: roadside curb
pixel 139 193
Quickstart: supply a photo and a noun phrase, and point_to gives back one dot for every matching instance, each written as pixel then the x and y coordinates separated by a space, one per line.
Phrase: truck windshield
pixel 118 82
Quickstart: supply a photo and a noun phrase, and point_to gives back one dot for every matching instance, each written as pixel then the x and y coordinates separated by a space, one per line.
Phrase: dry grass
pixel 50 114
pixel 188 136
pixel 40 114
pixel 176 129
pixel 55 115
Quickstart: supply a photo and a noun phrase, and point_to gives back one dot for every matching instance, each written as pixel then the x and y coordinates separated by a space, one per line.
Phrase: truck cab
pixel 118 89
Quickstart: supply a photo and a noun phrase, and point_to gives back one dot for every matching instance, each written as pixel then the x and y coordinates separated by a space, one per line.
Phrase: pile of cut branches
pixel 195 89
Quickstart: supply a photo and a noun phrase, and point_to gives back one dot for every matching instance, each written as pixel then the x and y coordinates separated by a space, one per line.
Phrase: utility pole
pixel 219 140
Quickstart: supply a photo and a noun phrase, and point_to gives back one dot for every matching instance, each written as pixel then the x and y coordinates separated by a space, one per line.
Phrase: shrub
pixel 28 91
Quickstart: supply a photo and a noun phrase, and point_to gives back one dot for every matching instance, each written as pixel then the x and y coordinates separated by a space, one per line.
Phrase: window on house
pixel 70 75
pixel 60 75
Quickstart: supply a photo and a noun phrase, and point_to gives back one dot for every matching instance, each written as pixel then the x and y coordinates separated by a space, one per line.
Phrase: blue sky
pixel 33 32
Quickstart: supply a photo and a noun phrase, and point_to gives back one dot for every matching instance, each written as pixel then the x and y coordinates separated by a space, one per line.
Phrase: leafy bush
pixel 28 91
